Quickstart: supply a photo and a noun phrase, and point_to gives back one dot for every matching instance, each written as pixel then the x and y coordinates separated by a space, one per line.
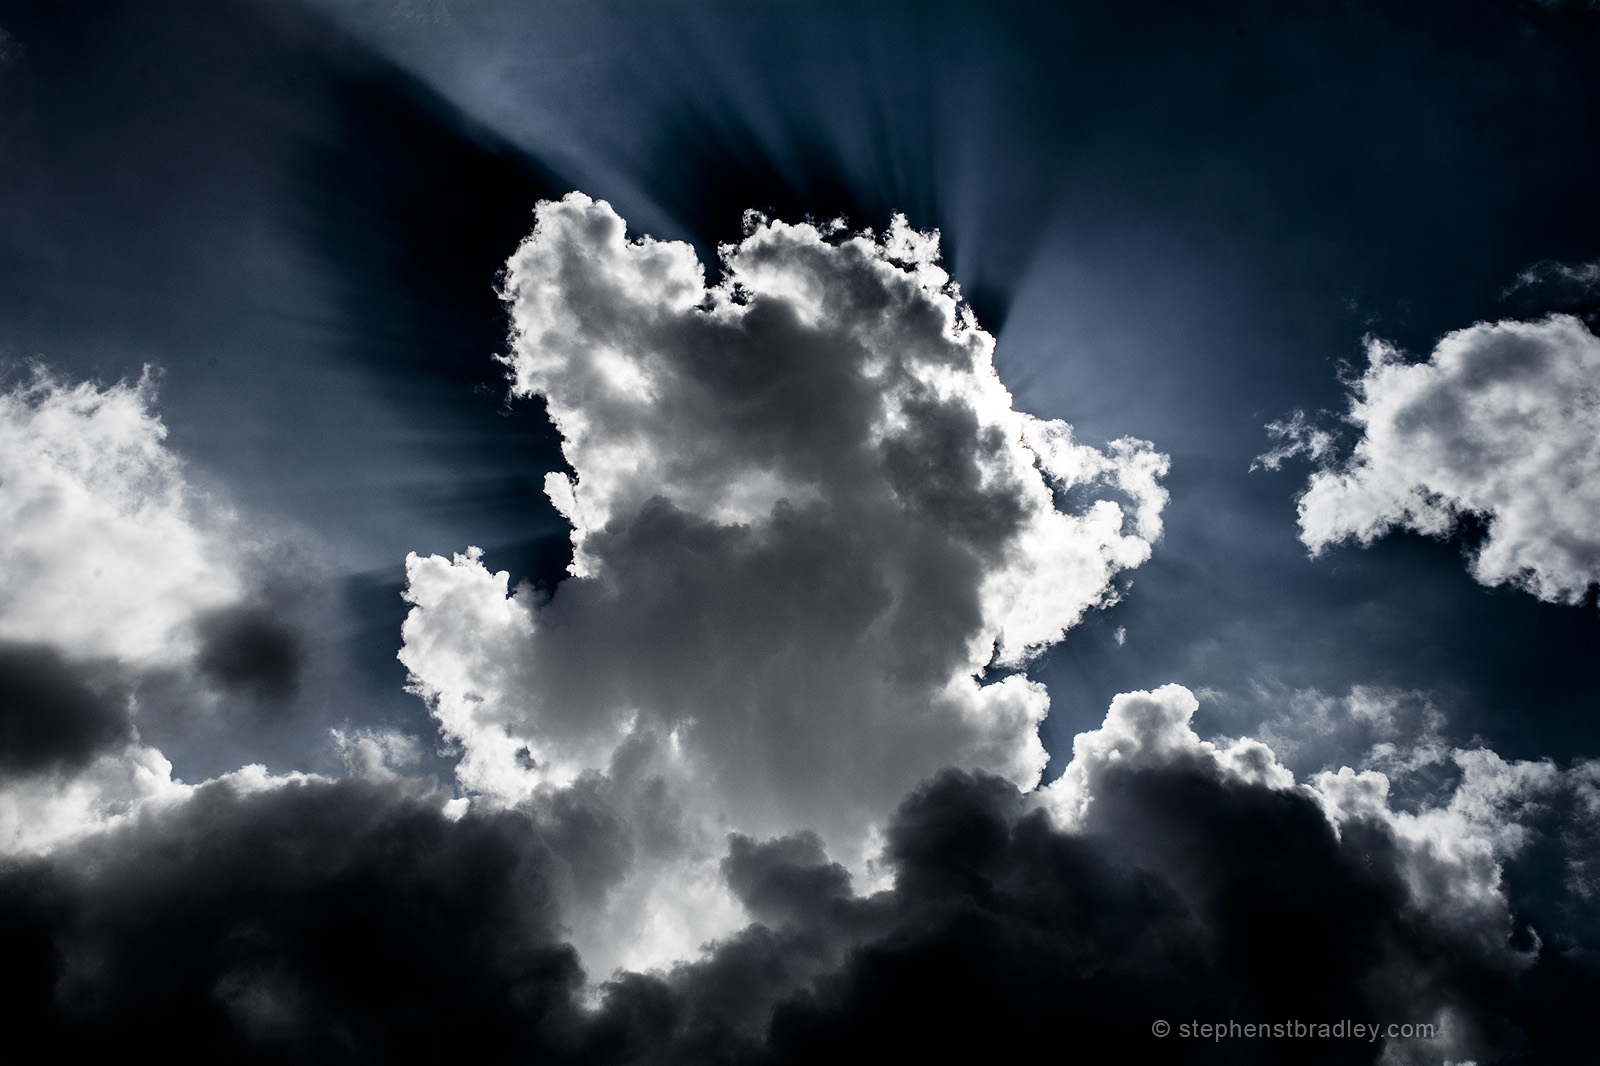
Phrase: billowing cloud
pixel 808 529
pixel 1454 815
pixel 105 548
pixel 1501 423
pixel 1152 729
pixel 114 570
pixel 43 811
pixel 373 920
pixel 757 782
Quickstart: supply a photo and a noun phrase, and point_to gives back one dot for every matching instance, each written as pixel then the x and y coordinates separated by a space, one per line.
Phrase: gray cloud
pixel 251 648
pixel 1581 279
pixel 311 921
pixel 373 920
pixel 55 715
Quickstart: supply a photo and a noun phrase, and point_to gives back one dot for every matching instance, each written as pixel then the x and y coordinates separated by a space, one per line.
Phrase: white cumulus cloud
pixel 105 548
pixel 1153 729
pixel 1501 422
pixel 807 523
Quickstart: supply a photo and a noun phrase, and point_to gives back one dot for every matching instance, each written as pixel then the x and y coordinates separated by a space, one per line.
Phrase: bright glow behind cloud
pixel 806 519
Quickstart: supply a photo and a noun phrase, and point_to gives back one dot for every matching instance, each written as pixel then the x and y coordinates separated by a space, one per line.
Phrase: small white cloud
pixel 377 753
pixel 1501 422
pixel 1547 275
pixel 1295 436
pixel 1152 729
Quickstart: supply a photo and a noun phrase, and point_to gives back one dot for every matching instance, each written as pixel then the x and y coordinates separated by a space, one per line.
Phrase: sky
pixel 756 533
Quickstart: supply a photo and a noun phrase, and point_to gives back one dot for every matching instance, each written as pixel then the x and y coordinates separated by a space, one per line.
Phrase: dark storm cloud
pixel 1186 896
pixel 250 649
pixel 312 922
pixel 56 715
pixel 356 922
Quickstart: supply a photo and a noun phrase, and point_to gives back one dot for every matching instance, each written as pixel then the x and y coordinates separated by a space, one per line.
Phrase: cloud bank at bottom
pixel 369 919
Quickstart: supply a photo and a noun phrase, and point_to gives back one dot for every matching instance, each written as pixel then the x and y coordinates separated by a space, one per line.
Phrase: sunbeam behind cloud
pixel 808 529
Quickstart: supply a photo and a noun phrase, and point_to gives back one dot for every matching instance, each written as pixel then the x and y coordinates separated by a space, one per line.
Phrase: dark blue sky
pixel 1179 224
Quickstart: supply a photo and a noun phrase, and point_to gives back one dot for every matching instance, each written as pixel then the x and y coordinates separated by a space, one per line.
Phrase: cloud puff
pixel 247 647
pixel 40 812
pixel 1152 729
pixel 1501 423
pixel 808 528
pixel 105 549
